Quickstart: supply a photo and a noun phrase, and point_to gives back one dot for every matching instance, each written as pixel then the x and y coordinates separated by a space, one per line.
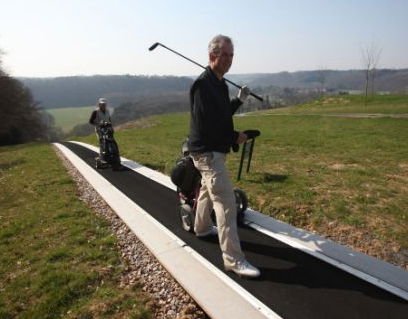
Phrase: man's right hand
pixel 242 137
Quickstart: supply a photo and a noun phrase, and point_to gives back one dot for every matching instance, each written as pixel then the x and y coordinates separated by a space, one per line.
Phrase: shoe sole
pixel 241 275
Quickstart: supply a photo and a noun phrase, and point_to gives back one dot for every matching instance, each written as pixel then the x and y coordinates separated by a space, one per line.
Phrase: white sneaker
pixel 244 268
pixel 213 231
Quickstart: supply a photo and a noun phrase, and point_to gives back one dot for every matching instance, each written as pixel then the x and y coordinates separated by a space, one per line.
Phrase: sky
pixel 48 38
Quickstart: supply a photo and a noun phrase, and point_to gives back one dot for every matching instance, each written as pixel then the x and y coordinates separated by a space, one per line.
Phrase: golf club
pixel 154 46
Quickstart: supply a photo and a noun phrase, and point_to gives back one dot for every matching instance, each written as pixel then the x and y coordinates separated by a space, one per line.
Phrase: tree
pixel 321 75
pixel 370 58
pixel 22 119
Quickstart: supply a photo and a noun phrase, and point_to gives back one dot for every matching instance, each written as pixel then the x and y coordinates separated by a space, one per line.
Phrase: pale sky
pixel 84 37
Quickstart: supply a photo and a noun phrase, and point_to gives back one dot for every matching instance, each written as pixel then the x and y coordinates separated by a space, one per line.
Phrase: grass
pixel 67 118
pixel 306 170
pixel 382 104
pixel 57 258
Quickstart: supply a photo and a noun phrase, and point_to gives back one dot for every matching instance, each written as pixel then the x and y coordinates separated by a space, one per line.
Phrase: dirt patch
pixel 362 241
pixel 341 166
pixel 337 101
pixel 403 166
pixel 142 123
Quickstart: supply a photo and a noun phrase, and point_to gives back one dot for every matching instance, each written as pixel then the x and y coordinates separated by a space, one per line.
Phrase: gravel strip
pixel 169 299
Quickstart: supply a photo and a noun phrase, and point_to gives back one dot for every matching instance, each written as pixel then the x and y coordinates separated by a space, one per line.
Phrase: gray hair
pixel 215 44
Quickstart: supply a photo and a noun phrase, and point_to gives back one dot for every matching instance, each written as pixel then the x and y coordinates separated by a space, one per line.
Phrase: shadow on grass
pixel 269 178
pixel 7 166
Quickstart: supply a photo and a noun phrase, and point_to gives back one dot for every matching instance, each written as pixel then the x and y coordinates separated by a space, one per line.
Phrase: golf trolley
pixel 109 151
pixel 188 181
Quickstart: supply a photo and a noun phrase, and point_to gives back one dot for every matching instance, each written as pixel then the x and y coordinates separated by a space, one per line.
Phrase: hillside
pixel 385 79
pixel 146 106
pixel 396 105
pixel 78 91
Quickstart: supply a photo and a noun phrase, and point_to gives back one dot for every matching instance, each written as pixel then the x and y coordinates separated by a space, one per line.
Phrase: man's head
pixel 220 53
pixel 102 103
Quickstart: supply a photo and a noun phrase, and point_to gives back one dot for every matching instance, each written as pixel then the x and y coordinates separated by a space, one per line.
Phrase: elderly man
pixel 211 137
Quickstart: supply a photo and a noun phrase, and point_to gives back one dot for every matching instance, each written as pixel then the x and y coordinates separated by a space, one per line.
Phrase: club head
pixel 154 46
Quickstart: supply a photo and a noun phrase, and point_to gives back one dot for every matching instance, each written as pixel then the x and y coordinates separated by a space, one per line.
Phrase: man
pixel 98 116
pixel 211 137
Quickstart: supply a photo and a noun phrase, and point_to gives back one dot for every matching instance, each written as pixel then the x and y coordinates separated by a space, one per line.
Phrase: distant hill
pixel 385 79
pixel 141 107
pixel 146 106
pixel 77 91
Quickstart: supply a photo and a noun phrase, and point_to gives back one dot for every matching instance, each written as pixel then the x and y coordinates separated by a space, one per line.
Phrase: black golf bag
pixel 109 151
pixel 188 181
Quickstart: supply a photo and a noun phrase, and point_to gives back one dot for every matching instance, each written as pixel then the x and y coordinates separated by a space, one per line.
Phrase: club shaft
pixel 202 66
pixel 183 56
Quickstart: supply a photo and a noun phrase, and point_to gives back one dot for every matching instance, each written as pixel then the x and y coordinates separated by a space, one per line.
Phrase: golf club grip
pixel 239 87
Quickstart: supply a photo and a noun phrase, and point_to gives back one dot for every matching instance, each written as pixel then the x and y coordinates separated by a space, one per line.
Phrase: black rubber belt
pixel 293 284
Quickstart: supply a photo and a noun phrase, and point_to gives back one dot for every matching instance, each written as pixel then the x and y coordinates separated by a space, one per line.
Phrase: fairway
pixel 67 118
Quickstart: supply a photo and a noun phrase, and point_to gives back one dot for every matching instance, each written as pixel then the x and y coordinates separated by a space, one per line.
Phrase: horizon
pixel 86 38
pixel 193 76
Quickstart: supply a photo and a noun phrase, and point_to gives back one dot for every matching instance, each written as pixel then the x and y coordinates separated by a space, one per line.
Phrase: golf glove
pixel 243 93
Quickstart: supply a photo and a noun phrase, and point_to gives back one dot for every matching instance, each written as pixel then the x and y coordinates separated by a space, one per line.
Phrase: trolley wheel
pixel 241 201
pixel 242 204
pixel 97 163
pixel 186 217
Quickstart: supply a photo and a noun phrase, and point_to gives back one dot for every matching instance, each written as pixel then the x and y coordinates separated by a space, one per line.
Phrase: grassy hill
pixel 66 118
pixel 379 104
pixel 341 177
pixel 57 258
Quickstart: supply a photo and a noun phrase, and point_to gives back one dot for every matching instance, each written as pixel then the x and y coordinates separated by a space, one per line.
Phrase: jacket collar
pixel 213 78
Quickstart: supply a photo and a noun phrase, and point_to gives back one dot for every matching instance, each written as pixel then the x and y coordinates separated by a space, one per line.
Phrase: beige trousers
pixel 217 193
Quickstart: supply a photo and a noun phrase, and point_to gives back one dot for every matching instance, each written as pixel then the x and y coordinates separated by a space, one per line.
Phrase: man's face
pixel 102 106
pixel 222 61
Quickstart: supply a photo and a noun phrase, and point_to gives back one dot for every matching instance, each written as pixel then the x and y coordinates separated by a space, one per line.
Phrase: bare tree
pixel 370 58
pixel 322 74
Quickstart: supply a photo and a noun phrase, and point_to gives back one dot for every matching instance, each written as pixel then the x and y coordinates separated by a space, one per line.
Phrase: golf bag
pixel 188 181
pixel 109 151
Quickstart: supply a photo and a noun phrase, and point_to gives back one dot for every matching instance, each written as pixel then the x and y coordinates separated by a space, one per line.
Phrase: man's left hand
pixel 243 93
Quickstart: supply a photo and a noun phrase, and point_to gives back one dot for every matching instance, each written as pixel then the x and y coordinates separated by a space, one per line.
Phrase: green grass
pixel 57 258
pixel 67 118
pixel 383 104
pixel 306 170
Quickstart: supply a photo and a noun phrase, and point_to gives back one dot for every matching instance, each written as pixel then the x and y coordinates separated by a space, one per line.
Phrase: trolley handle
pixel 252 134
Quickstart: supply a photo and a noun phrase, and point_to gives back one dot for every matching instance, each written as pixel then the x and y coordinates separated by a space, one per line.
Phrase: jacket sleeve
pixel 92 118
pixel 235 104
pixel 199 102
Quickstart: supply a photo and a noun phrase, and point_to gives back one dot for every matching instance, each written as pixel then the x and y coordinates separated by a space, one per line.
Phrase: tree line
pixel 75 91
pixel 22 120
